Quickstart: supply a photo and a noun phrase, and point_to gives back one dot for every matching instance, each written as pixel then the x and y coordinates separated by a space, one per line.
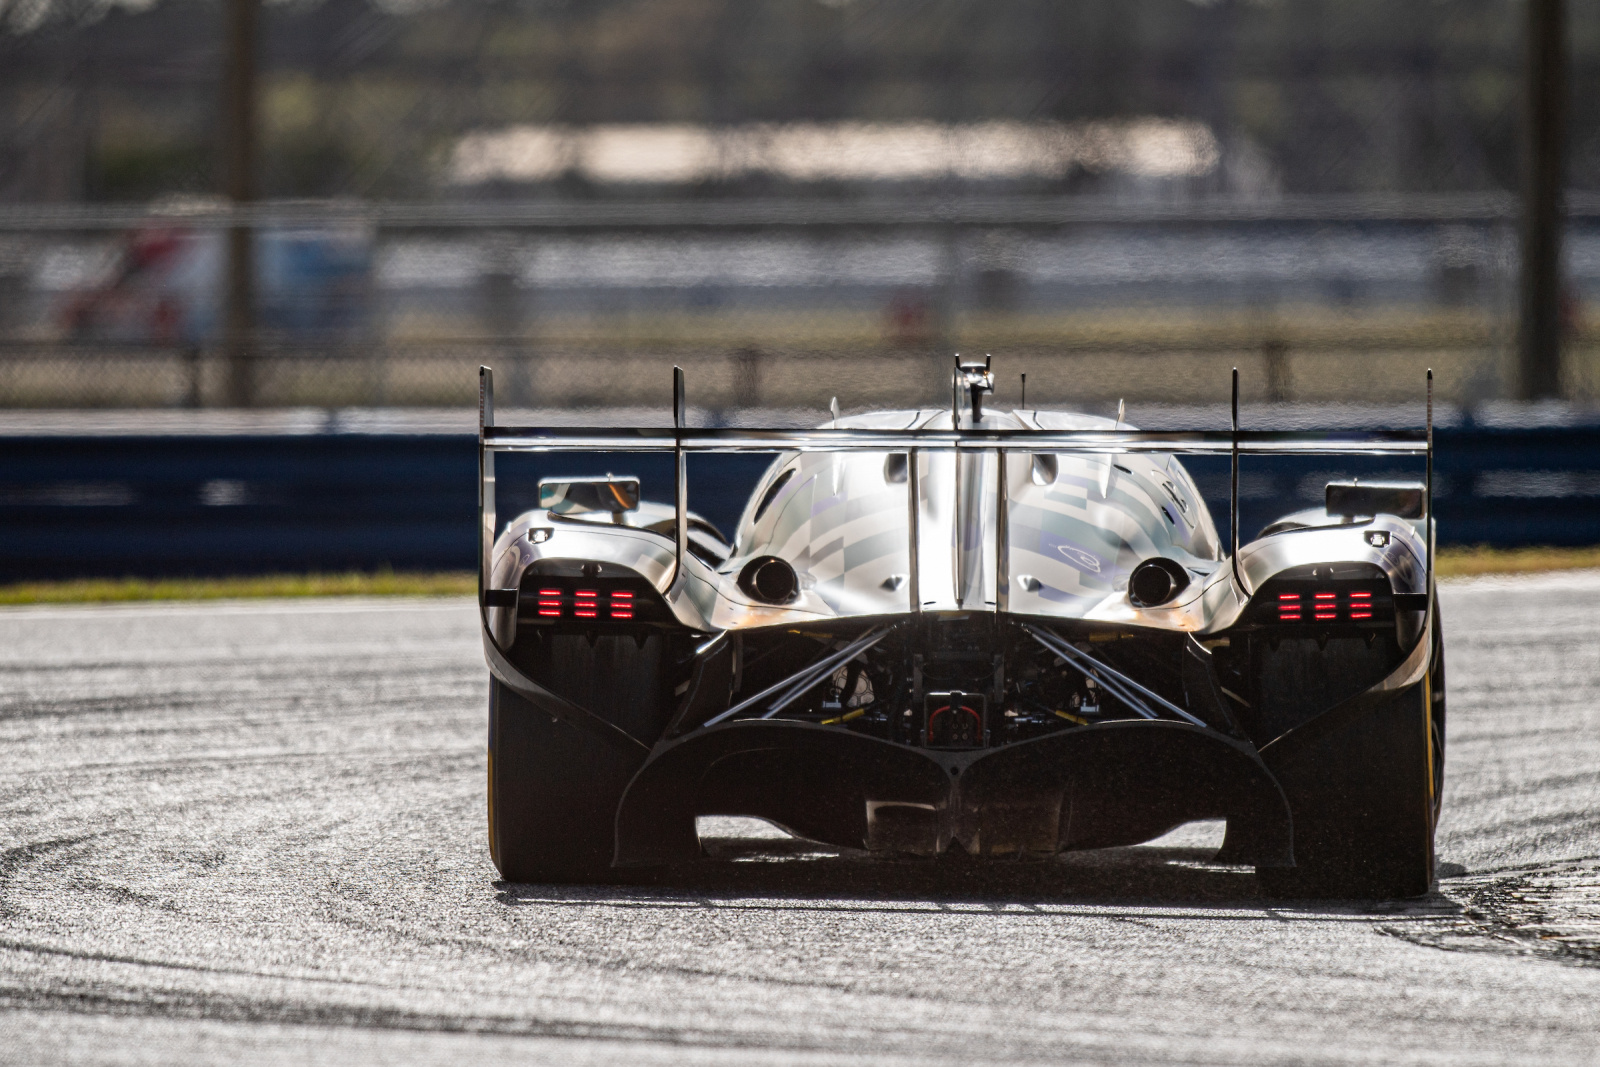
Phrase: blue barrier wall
pixel 208 505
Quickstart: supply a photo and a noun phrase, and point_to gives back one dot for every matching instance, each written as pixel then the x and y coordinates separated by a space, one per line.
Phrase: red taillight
pixel 1288 607
pixel 1328 605
pixel 597 604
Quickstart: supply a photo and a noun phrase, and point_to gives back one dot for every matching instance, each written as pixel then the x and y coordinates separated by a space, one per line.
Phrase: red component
pixel 1288 607
pixel 934 717
pixel 1325 606
pixel 550 603
pixel 621 594
pixel 1360 604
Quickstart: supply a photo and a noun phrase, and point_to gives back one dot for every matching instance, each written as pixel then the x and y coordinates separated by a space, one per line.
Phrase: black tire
pixel 1436 731
pixel 1366 799
pixel 554 787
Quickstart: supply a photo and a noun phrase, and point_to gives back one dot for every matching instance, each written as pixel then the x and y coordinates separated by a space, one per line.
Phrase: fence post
pixel 239 164
pixel 1543 172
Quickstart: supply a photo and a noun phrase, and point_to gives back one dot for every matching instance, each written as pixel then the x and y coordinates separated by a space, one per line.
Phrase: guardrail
pixel 249 504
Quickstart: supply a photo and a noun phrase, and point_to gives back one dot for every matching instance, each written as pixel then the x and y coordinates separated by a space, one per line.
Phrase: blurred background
pixel 225 221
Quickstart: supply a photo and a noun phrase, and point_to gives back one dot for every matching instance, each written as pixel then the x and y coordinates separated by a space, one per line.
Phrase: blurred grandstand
pixel 792 198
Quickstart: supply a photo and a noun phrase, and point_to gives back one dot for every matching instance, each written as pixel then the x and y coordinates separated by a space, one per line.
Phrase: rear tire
pixel 1365 799
pixel 554 787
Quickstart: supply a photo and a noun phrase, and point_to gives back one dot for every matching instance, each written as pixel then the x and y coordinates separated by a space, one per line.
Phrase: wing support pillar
pixel 680 472
pixel 1233 493
pixel 486 490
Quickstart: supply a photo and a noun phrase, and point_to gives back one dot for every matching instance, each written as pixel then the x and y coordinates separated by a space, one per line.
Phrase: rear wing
pixel 680 439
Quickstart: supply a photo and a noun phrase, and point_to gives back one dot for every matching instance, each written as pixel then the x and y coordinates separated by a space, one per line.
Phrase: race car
pixel 962 630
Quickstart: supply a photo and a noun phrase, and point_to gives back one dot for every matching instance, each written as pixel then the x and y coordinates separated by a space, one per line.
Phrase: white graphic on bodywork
pixel 1079 558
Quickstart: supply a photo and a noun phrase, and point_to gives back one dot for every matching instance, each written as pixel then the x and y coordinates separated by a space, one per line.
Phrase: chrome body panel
pixel 952 544
pixel 1072 526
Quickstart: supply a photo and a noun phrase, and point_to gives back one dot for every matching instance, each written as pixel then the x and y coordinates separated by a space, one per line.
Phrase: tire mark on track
pixel 14 860
pixel 223 1008
pixel 1544 911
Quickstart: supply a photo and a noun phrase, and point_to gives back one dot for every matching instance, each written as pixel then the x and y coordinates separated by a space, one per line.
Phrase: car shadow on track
pixel 799 873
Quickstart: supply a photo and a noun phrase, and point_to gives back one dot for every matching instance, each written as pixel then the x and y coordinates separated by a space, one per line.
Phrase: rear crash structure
pixel 1001 633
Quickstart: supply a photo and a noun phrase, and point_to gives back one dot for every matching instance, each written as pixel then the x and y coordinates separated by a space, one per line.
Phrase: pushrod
pixel 1108 683
pixel 1055 644
pixel 823 669
pixel 798 676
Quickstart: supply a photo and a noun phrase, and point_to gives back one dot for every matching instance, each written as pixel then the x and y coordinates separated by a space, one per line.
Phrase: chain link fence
pixel 781 304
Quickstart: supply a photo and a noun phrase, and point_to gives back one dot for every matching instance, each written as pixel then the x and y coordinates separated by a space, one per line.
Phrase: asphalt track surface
pixel 254 832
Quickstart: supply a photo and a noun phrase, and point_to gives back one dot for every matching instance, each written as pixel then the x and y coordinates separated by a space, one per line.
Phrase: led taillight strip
pixel 1288 607
pixel 587 603
pixel 1326 605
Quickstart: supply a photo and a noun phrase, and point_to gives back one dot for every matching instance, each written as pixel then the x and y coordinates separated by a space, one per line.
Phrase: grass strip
pixel 351 583
pixel 1465 561
pixel 1453 562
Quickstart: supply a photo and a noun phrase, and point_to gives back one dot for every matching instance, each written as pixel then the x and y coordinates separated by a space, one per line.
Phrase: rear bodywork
pixel 960 662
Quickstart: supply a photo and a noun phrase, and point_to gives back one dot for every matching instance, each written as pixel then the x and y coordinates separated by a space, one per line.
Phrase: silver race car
pixel 1001 633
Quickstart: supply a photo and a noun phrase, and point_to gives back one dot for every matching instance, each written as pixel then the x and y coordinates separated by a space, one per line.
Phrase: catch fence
pixel 780 304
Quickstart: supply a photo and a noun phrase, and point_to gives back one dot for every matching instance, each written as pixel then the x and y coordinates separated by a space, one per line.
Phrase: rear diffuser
pixel 1099 786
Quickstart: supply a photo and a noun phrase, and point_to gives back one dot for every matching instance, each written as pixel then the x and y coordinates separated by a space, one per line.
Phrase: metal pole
pixel 1233 490
pixel 1002 537
pixel 486 487
pixel 1430 530
pixel 913 529
pixel 1543 167
pixel 680 414
pixel 239 168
